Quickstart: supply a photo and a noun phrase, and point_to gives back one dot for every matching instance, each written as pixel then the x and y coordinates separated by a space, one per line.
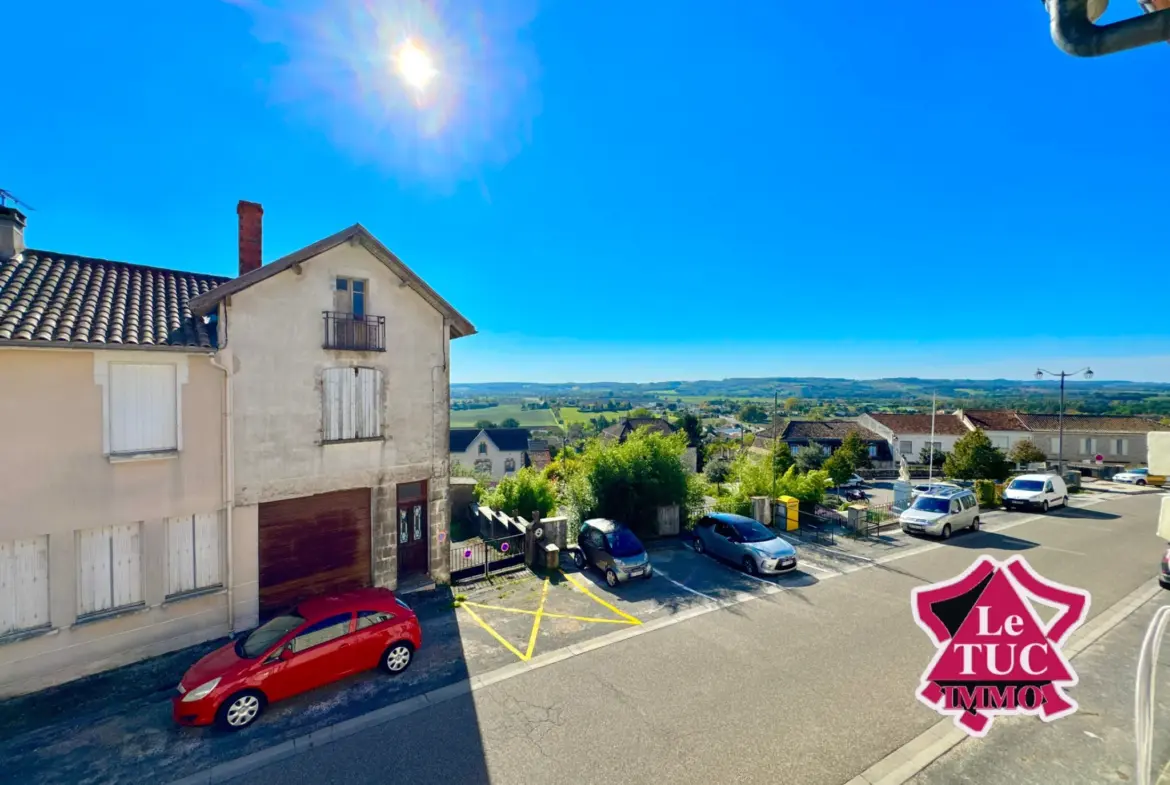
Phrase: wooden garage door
pixel 313 545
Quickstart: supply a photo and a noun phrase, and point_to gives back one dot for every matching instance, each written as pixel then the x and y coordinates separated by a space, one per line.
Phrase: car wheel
pixel 579 559
pixel 699 546
pixel 648 574
pixel 749 565
pixel 611 578
pixel 1007 507
pixel 1064 503
pixel 1044 507
pixel 946 531
pixel 240 710
pixel 975 525
pixel 397 657
pixel 1141 482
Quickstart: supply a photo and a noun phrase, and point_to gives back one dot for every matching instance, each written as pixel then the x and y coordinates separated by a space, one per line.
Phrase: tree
pixel 790 404
pixel 629 481
pixel 749 439
pixel 484 424
pixel 1025 452
pixel 856 451
pixel 926 456
pixel 640 412
pixel 975 458
pixel 839 468
pixel 811 457
pixel 692 426
pixel 753 413
pixel 782 459
pixel 510 422
pixel 523 493
pixel 718 471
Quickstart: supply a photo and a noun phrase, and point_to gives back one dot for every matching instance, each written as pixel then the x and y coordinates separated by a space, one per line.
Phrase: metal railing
pixel 477 560
pixel 348 332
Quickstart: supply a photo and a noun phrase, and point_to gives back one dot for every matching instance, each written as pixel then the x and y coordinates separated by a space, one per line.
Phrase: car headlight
pixel 202 691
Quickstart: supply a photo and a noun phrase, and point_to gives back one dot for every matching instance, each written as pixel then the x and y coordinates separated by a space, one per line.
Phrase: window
pixel 109 561
pixel 143 414
pixel 370 618
pixel 873 451
pixel 1121 446
pixel 323 631
pixel 483 448
pixel 194 553
pixel 937 447
pixel 1089 446
pixel 509 465
pixel 906 446
pixel 1000 442
pixel 1048 487
pixel 1054 445
pixel 954 505
pixel 724 529
pixel 349 296
pixel 352 404
pixel 484 466
pixel 24 584
pixel 967 501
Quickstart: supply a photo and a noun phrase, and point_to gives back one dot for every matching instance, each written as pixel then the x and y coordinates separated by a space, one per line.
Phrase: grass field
pixel 571 414
pixel 532 418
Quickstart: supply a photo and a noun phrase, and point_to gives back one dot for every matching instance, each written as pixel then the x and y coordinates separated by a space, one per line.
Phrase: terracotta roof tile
pixel 826 429
pixel 947 424
pixel 1092 423
pixel 59 298
pixel 995 420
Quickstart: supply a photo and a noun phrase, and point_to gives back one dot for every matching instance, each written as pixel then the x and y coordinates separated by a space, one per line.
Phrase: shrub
pixel 987 494
pixel 631 480
pixel 522 493
pixel 975 458
pixel 811 457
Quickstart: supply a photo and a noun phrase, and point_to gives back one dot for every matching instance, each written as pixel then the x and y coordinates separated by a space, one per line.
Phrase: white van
pixel 1035 491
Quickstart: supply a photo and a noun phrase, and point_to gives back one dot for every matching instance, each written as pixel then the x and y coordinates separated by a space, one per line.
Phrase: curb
pixel 913 757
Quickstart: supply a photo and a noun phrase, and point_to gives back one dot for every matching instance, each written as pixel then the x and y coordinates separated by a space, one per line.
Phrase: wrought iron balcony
pixel 348 332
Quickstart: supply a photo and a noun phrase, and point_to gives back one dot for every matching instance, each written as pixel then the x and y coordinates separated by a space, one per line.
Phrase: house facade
pixel 497 452
pixel 828 434
pixel 114 538
pixel 908 434
pixel 620 431
pixel 1003 428
pixel 1120 441
pixel 338 358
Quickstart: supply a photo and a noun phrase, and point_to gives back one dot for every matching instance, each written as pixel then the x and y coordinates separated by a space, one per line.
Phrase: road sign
pixel 1100 459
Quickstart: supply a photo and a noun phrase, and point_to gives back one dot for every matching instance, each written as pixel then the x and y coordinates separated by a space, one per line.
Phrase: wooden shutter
pixel 126 551
pixel 143 408
pixel 180 555
pixel 93 583
pixel 369 403
pixel 24 584
pixel 208 543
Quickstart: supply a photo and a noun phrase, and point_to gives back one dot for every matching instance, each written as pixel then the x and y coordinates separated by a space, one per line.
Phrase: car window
pixel 954 505
pixel 622 543
pixel 751 531
pixel 322 632
pixel 929 504
pixel 370 618
pixel 706 523
pixel 723 529
pixel 1026 485
pixel 595 539
pixel 1048 487
pixel 268 634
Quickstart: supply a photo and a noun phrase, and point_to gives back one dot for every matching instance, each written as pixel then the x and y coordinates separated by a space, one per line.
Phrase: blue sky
pixel 633 191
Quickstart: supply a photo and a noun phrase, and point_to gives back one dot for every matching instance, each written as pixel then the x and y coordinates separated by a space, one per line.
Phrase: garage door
pixel 313 545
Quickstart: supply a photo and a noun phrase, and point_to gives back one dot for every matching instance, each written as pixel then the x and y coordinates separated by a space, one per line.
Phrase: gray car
pixel 744 542
pixel 612 548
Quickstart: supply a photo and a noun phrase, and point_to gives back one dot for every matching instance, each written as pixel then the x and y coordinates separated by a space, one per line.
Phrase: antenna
pixel 8 196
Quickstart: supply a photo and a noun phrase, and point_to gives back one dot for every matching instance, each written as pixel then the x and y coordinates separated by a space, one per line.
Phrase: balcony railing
pixel 348 332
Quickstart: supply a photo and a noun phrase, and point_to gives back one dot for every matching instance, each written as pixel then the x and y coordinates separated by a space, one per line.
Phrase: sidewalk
pixel 1094 745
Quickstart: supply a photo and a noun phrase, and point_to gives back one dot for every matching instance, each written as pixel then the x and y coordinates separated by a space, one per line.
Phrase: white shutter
pixel 369 403
pixel 1124 446
pixel 127 562
pixel 24 584
pixel 349 403
pixel 208 539
pixel 180 555
pixel 331 405
pixel 1054 444
pixel 143 408
pixel 94 583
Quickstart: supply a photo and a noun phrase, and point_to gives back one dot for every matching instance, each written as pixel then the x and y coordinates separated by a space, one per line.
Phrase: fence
pixel 880 516
pixel 482 558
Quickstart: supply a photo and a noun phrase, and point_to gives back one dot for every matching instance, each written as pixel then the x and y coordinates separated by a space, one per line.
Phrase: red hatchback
pixel 320 641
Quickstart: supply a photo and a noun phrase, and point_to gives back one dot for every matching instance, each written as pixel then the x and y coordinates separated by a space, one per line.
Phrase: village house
pixel 828 435
pixel 909 434
pixel 497 452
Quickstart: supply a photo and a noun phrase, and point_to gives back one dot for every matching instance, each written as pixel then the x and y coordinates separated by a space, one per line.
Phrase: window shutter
pixel 180 555
pixel 143 408
pixel 369 403
pixel 127 558
pixel 208 545
pixel 93 585
pixel 24 584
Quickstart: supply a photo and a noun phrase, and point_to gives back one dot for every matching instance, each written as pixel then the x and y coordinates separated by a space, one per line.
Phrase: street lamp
pixel 1040 373
pixel 1075 28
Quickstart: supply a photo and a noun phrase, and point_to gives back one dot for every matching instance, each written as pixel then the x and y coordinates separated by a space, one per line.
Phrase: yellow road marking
pixel 495 634
pixel 536 620
pixel 598 600
pixel 546 614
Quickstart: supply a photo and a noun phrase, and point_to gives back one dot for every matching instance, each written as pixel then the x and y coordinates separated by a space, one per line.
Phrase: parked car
pixel 318 642
pixel 941 511
pixel 1037 491
pixel 744 542
pixel 856 481
pixel 1139 476
pixel 918 490
pixel 612 548
pixel 1164 575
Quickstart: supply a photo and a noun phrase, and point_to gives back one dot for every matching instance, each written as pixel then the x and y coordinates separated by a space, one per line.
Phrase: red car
pixel 322 640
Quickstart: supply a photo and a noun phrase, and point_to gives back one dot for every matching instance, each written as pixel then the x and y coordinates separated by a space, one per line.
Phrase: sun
pixel 414 65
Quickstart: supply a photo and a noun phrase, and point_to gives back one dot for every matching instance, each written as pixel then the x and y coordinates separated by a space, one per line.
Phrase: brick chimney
pixel 251 229
pixel 11 232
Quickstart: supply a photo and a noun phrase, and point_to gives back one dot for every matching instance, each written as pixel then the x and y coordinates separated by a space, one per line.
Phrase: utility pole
pixel 933 408
pixel 775 405
pixel 1040 373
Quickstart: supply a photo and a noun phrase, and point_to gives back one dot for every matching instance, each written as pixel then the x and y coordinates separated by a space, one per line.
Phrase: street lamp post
pixel 1040 373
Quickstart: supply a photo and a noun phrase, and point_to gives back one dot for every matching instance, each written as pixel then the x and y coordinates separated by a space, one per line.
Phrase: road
pixel 811 684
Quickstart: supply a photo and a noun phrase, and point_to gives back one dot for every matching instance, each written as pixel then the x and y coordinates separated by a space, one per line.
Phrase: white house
pixel 498 452
pixel 1004 428
pixel 909 434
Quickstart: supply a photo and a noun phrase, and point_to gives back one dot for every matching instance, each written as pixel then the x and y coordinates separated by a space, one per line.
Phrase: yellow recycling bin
pixel 791 520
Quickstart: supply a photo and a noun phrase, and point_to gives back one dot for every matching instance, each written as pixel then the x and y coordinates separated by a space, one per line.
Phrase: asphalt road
pixel 812 684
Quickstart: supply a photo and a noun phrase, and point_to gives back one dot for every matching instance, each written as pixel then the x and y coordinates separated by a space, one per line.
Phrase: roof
pixel 944 424
pixel 357 233
pixel 826 429
pixel 55 299
pixel 945 491
pixel 630 424
pixel 995 420
pixel 730 517
pixel 1092 423
pixel 539 459
pixel 603 524
pixel 461 438
pixel 506 439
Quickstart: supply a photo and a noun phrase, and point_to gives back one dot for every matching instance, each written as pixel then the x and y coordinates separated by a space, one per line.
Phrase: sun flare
pixel 415 66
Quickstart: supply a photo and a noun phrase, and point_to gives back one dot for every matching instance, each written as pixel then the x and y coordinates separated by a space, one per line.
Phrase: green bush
pixel 522 493
pixel 986 493
pixel 631 480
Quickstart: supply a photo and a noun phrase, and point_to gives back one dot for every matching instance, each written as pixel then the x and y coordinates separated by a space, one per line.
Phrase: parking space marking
pixel 546 614
pixel 536 621
pixel 683 586
pixel 491 631
pixel 598 600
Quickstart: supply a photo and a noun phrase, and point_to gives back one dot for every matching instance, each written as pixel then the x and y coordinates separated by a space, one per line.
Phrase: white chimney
pixel 11 232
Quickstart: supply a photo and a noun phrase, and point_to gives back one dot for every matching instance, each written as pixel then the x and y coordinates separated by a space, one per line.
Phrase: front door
pixel 412 531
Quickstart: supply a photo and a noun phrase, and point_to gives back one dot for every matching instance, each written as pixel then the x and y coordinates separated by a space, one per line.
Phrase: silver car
pixel 744 542
pixel 940 511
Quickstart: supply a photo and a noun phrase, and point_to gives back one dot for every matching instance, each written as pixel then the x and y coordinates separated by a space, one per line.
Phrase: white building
pixel 498 452
pixel 909 434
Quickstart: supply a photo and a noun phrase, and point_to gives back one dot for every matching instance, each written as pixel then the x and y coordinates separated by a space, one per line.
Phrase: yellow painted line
pixel 536 621
pixel 546 614
pixel 495 634
pixel 598 600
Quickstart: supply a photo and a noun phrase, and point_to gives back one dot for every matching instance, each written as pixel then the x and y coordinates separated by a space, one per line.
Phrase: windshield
pixel 1026 485
pixel 622 543
pixel 931 504
pixel 263 637
pixel 750 531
